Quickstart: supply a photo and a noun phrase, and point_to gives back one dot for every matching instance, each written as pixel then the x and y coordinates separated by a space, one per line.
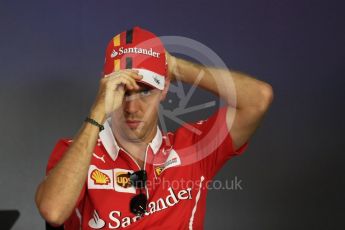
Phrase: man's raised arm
pixel 58 193
pixel 247 101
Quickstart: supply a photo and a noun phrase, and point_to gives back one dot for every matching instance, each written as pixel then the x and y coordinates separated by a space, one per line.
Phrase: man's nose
pixel 132 105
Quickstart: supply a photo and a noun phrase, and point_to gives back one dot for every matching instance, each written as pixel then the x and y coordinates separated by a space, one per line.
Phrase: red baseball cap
pixel 139 49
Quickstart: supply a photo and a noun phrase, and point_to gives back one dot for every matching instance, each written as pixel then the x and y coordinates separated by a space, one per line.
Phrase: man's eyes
pixel 143 92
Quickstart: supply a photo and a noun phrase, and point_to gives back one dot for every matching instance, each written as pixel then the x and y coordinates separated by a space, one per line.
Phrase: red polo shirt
pixel 179 166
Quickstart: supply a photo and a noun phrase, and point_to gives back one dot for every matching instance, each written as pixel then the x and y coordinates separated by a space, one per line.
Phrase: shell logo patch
pixel 99 178
pixel 122 179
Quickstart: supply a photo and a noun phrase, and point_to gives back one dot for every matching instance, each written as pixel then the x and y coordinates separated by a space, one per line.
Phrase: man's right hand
pixel 111 92
pixel 57 195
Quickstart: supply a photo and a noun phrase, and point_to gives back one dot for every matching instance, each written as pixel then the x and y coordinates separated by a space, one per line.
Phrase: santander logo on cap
pixel 139 49
pixel 134 50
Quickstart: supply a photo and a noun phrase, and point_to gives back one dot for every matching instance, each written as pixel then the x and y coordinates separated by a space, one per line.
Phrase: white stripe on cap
pixel 152 78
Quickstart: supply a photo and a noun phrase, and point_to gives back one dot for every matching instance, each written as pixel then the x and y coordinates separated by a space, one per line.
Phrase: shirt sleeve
pixel 214 144
pixel 56 155
pixel 59 150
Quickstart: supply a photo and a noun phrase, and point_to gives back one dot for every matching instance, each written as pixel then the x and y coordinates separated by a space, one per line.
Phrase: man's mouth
pixel 133 123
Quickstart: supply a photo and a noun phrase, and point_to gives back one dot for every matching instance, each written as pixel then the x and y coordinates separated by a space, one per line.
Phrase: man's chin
pixel 134 134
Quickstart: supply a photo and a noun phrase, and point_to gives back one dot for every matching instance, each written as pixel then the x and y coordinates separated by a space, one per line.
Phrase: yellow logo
pixel 100 178
pixel 159 170
pixel 122 179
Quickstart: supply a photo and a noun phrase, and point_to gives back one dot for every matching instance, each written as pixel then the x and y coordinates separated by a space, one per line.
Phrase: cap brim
pixel 145 84
pixel 151 78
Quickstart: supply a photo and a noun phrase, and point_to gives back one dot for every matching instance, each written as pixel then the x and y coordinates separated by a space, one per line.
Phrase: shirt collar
pixel 108 139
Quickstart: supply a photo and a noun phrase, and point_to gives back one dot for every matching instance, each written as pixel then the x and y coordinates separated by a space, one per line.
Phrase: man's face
pixel 136 120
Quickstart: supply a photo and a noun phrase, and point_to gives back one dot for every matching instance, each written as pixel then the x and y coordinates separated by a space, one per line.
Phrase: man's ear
pixel 166 88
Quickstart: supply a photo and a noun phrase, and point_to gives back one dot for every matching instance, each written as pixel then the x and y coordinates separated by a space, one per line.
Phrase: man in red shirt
pixel 120 170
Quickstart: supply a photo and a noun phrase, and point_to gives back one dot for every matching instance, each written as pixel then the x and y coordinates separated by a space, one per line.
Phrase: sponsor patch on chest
pixel 122 182
pixel 172 161
pixel 100 178
pixel 113 179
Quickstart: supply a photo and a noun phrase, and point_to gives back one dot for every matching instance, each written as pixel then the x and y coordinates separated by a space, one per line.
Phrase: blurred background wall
pixel 51 57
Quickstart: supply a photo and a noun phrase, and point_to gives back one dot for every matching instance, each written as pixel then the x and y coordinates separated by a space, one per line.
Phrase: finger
pixel 134 84
pixel 125 82
pixel 129 82
pixel 127 76
pixel 135 75
pixel 131 72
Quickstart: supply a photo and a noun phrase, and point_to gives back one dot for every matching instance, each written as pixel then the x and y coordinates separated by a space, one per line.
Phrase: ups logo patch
pixel 122 179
